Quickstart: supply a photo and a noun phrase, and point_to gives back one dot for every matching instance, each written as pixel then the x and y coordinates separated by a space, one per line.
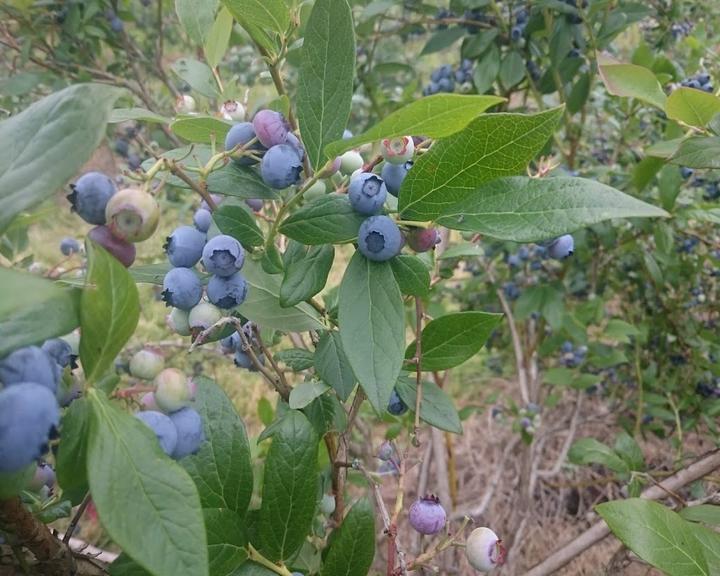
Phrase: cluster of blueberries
pixel 444 78
pixel 701 81
pixel 123 147
pixel 679 30
pixel 239 346
pixel 571 355
pixel 121 217
pixel 709 387
pixel 166 410
pixel 472 20
pixel 522 17
pixel 711 187
pixel 33 390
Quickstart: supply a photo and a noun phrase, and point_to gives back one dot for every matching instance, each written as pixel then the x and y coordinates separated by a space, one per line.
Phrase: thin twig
pixel 418 368
pixel 76 519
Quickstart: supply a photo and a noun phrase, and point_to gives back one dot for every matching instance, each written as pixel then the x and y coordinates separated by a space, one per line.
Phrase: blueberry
pixel 327 507
pixel 134 161
pixel 386 452
pixel 163 428
pixel 516 33
pixel 185 104
pixel 427 515
pixel 514 261
pixel 255 204
pixel 69 246
pixel 271 128
pixel 703 78
pixel 241 134
pixel 146 364
pixel 173 390
pixel 394 174
pixel 350 161
pixel 243 360
pixel 233 110
pixel 379 238
pixel 693 84
pixel 90 195
pixel 367 193
pixel 181 288
pixel 44 477
pixel 396 406
pixel 116 24
pixel 177 320
pixel 216 198
pixel 423 239
pixel 707 88
pixel 294 141
pixel 281 166
pixel 121 147
pixel 446 85
pixel 227 292
pixel 561 247
pixel 30 364
pixel 132 215
pixel 231 343
pixel 203 316
pixel 120 249
pixel 397 150
pixel 202 219
pixel 147 401
pixel 347 134
pixel 29 417
pixel 60 351
pixel 190 433
pixel 566 347
pixel 184 246
pixel 511 290
pixel 484 550
pixel 223 256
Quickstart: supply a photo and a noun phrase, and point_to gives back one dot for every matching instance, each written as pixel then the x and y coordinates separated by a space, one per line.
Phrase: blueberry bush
pixel 382 224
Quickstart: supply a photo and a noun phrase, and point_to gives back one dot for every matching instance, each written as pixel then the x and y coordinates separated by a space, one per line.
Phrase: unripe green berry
pixel 204 315
pixel 350 161
pixel 146 364
pixel 178 321
pixel 132 215
pixel 172 390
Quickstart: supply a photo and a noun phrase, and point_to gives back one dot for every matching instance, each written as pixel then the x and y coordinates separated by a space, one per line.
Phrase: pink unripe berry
pixel 147 401
pixel 422 239
pixel 271 128
pixel 172 390
pixel 233 110
pixel 484 550
pixel 132 215
pixel 185 104
pixel 397 150
pixel 427 515
pixel 122 250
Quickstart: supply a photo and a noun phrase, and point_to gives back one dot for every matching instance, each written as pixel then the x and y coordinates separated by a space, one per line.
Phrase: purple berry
pixel 423 239
pixel 427 515
pixel 255 204
pixel 367 193
pixel 271 128
pixel 223 256
pixel 122 250
pixel 561 247
pixel 44 477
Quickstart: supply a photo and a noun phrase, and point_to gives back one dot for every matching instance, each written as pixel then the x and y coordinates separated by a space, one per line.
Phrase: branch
pixel 418 368
pixel 600 530
pixel 568 442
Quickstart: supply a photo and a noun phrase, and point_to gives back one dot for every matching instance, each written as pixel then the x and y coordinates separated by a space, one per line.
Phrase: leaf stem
pixel 258 558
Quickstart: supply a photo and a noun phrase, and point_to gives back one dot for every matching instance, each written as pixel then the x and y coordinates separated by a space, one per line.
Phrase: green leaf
pixel 198 75
pixel 487 70
pixel 631 81
pixel 124 114
pixel 450 340
pixel 491 146
pixel 326 220
pixel 579 93
pixel 698 152
pixel 710 542
pixel 262 304
pixel 201 129
pixel 412 275
pixel 512 69
pixel 305 392
pixel 236 221
pixel 628 449
pixel 196 17
pixel 372 326
pixel 126 566
pixel 71 460
pixel 462 250
pixel 692 107
pixel 326 414
pixel 239 181
pixel 305 277
pixel 436 407
pixel 227 541
pixel 297 359
pixel 34 309
pixel 664 149
pixel 150 273
pixel 590 451
pixel 656 534
pixel 221 469
pixel 265 20
pixel 352 548
pixel 51 140
pixel 217 42
pixel 433 116
pixel 705 513
pixel 253 569
pixel 109 313
pixel 325 86
pixel 442 40
pixel 531 209
pixel 289 487
pixel 135 484
pixel 332 364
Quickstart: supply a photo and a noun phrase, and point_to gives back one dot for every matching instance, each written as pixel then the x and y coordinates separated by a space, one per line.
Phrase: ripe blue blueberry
pixel 90 195
pixel 184 246
pixel 239 135
pixel 190 433
pixel 396 406
pixel 379 238
pixel 116 25
pixel 271 128
pixel 30 364
pixel 394 174
pixel 59 350
pixel 281 166
pixel 427 515
pixel 216 198
pixel 230 344
pixel 255 204
pixel 243 360
pixel 367 193
pixel 163 428
pixel 202 219
pixel 123 251
pixel 686 172
pixel 29 417
pixel 223 256
pixel 294 141
pixel 181 288
pixel 69 246
pixel 228 292
pixel 561 247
